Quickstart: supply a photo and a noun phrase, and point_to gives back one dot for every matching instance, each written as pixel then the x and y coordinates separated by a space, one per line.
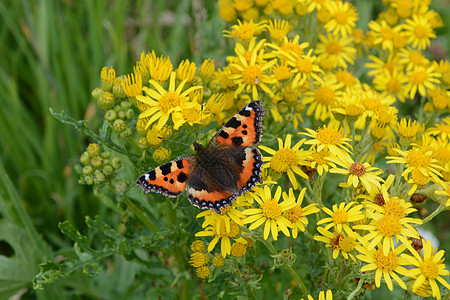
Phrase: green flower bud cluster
pixel 119 116
pixel 98 166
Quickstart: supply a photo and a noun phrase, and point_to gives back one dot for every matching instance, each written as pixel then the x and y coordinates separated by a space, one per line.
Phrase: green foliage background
pixel 51 55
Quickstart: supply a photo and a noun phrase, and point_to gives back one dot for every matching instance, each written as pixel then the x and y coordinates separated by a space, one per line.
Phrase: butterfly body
pixel 219 172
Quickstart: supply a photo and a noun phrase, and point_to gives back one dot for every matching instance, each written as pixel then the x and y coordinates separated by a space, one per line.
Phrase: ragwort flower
pixel 270 213
pixel 161 103
pixel 287 159
pixel 428 268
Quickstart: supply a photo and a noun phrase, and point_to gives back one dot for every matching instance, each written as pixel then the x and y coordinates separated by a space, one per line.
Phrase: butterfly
pixel 217 173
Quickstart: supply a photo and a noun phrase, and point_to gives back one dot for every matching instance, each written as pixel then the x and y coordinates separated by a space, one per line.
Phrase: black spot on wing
pixel 180 164
pixel 224 134
pixel 182 177
pixel 237 140
pixel 152 175
pixel 233 123
pixel 166 168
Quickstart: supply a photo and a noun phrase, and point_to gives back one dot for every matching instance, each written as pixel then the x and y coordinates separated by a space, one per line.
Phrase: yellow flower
pixel 207 68
pixel 347 79
pixel 132 86
pixel 338 242
pixel 227 12
pixel 441 129
pixel 412 58
pixel 329 138
pixel 440 98
pixel 322 295
pixel 343 17
pixel 278 29
pixel 385 227
pixel 161 102
pixel 296 215
pixel 429 269
pixel 245 31
pixel 320 162
pixel 198 259
pixel 385 265
pixel 270 213
pixel 107 76
pixel 341 216
pixel 191 113
pixel 392 84
pixel 160 67
pixel 417 159
pixel 203 272
pixel 252 76
pixel 419 32
pixel 216 226
pixel 339 49
pixel 443 67
pixel 186 70
pixel 358 173
pixel 384 34
pixel 287 159
pixel 305 67
pixel 420 79
pixel 322 98
pixel 379 66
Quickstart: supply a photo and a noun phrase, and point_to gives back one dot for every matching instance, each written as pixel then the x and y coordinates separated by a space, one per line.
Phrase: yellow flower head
pixel 287 159
pixel 245 31
pixel 419 32
pixel 162 103
pixel 428 269
pixel 343 17
pixel 270 212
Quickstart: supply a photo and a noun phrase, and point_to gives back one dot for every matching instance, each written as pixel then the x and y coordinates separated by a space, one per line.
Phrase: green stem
pixel 291 271
pixel 141 216
pixel 356 290
pixel 248 289
pixel 433 214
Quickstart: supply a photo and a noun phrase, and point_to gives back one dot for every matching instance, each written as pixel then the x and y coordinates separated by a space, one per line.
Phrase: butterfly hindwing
pixel 202 194
pixel 244 128
pixel 251 169
pixel 169 179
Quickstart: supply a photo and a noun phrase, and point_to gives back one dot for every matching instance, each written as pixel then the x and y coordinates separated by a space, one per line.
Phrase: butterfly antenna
pixel 201 119
pixel 173 141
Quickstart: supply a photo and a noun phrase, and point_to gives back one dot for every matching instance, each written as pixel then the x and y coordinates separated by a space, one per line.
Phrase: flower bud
pixel 126 133
pixel 93 150
pixel 85 158
pixel 87 170
pixel 115 163
pixel 107 170
pixel 97 161
pixel 110 115
pixel 119 125
pixel 106 100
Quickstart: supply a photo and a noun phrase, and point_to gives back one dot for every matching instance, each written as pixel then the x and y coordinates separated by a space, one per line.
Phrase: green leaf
pixel 16 271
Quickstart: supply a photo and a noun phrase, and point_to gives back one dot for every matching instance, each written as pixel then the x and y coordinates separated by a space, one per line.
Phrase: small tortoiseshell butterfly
pixel 218 173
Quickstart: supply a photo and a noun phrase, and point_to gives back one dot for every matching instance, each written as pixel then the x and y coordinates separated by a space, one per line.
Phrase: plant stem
pixel 433 214
pixel 291 271
pixel 356 290
pixel 141 216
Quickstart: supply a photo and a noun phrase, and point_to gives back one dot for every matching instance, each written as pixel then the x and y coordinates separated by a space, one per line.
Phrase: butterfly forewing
pixel 244 128
pixel 169 179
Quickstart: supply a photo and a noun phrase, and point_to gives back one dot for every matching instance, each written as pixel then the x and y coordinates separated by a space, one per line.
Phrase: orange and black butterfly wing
pixel 244 128
pixel 169 179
